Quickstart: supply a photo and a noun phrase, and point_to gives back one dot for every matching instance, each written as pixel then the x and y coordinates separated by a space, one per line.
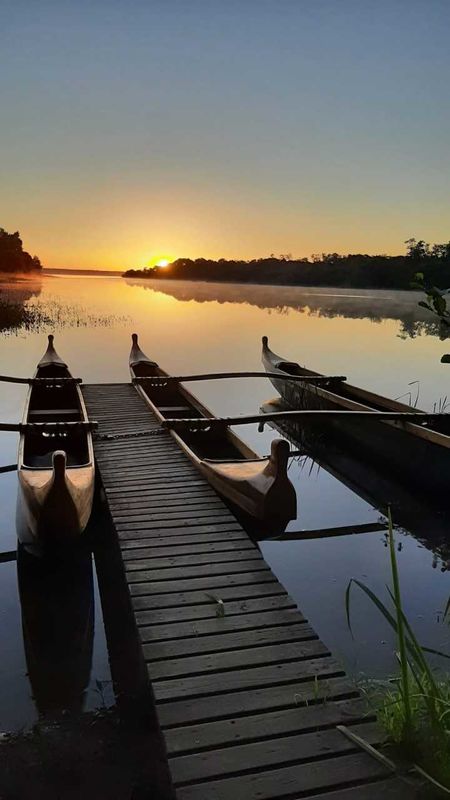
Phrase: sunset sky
pixel 149 129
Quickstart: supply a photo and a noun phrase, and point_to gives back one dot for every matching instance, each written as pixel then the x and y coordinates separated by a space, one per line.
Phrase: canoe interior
pixel 55 403
pixel 174 402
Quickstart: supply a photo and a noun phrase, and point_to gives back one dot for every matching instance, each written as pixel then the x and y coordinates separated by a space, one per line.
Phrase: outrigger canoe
pixel 259 487
pixel 417 453
pixel 55 462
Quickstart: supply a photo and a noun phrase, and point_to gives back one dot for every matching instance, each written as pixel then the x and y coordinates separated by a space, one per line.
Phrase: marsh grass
pixel 415 708
pixel 38 315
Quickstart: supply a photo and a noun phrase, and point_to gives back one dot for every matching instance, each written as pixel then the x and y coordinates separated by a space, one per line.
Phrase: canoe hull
pixel 415 456
pixel 49 515
pixel 257 487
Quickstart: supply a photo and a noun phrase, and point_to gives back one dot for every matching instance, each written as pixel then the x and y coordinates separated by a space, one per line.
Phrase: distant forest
pixel 325 269
pixel 13 258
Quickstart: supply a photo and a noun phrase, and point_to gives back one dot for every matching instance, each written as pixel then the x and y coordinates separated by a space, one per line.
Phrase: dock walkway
pixel 247 696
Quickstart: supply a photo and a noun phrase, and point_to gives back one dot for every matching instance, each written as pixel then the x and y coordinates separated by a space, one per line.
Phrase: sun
pixel 159 260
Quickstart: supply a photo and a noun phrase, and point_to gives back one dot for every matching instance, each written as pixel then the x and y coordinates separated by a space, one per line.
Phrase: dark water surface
pixel 379 339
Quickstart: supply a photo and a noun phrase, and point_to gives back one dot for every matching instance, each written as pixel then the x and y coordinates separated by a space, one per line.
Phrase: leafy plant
pixel 435 302
pixel 415 711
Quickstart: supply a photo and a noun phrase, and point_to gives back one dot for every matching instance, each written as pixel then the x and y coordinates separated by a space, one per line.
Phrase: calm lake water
pixel 379 339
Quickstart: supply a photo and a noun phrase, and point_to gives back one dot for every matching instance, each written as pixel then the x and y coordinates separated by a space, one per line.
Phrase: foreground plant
pixel 436 303
pixel 415 710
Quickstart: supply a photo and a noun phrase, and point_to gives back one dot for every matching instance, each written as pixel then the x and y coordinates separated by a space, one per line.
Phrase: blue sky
pixel 133 130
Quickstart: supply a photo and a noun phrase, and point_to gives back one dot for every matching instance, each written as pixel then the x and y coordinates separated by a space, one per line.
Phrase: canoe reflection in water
pixel 57 603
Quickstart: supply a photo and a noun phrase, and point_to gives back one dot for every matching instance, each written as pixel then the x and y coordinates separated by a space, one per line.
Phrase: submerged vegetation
pixel 13 258
pixel 356 270
pixel 415 709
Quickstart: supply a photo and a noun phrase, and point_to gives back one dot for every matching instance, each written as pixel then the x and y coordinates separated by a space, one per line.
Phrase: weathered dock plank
pixel 247 696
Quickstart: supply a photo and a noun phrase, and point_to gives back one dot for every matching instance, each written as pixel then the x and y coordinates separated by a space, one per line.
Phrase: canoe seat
pixel 288 366
pixel 54 412
pixel 176 410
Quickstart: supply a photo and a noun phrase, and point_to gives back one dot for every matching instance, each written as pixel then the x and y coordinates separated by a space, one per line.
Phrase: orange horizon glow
pixel 117 248
pixel 307 142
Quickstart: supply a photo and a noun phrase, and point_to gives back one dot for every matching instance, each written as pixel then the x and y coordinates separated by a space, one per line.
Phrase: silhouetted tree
pixel 358 270
pixel 441 251
pixel 13 258
pixel 417 250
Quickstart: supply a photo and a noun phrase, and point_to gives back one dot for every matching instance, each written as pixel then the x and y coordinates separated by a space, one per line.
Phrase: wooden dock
pixel 247 696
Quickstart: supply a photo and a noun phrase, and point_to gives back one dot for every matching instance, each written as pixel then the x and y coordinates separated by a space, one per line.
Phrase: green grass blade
pixel 447 607
pixel 400 625
pixel 377 602
pixel 416 712
pixel 416 652
pixel 347 605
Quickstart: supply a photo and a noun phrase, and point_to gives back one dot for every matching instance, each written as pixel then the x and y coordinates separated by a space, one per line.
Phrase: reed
pixel 415 709
pixel 37 315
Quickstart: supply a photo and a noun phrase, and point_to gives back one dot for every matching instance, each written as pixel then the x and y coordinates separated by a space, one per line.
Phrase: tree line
pixel 13 258
pixel 356 270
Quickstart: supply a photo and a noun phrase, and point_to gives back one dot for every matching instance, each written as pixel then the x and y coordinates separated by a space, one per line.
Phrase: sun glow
pixel 158 259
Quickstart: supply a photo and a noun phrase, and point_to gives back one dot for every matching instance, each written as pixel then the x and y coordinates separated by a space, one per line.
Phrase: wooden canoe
pixel 418 454
pixel 55 469
pixel 259 487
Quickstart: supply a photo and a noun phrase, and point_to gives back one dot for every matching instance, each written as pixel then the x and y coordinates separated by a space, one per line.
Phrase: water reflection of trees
pixel 20 310
pixel 414 327
pixel 375 305
pixel 15 314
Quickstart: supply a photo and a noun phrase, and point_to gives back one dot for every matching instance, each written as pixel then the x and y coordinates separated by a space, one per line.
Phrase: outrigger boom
pixel 54 427
pixel 214 376
pixel 313 415
pixel 39 381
